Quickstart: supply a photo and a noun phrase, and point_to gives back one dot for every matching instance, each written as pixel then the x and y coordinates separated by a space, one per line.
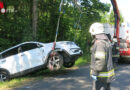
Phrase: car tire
pixel 4 76
pixel 55 61
pixel 68 65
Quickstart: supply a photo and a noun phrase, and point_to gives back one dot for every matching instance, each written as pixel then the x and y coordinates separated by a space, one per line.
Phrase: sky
pixel 124 7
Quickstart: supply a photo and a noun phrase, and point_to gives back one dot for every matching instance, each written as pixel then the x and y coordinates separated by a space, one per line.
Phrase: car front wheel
pixel 3 76
pixel 55 61
pixel 68 65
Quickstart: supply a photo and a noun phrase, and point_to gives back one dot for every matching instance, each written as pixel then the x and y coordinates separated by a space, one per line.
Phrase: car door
pixel 31 56
pixel 23 59
pixel 10 60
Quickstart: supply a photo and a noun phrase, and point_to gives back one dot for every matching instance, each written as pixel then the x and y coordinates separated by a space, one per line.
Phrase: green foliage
pixel 16 24
pixel 4 43
pixel 112 19
pixel 15 83
pixel 109 18
pixel 105 17
pixel 83 60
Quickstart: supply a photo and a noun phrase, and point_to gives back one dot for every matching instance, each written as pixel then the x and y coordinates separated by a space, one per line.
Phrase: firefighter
pixel 115 52
pixel 101 68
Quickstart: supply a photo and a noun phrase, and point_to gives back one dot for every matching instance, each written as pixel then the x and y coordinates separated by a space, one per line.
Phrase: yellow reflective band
pixel 100 55
pixel 107 74
pixel 115 55
pixel 90 72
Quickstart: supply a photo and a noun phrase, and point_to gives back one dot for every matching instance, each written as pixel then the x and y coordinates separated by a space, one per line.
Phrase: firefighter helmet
pixel 96 28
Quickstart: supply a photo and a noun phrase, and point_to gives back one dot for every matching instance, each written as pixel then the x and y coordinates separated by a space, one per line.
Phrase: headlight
pixel 75 50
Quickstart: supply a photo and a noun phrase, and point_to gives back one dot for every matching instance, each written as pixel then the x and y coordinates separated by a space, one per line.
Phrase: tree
pixel 112 18
pixel 92 10
pixel 37 19
pixel 34 18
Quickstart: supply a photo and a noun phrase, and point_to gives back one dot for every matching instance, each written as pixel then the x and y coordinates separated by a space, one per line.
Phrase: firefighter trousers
pixel 99 85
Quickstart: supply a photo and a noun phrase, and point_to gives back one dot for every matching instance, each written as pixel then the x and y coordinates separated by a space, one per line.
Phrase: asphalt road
pixel 79 79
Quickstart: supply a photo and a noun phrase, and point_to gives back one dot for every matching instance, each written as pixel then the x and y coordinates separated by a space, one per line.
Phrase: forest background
pixel 36 20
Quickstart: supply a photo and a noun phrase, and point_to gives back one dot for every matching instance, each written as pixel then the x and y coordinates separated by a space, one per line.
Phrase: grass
pixel 83 60
pixel 9 85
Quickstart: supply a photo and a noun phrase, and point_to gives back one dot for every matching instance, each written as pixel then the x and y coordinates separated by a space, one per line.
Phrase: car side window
pixel 29 46
pixel 10 52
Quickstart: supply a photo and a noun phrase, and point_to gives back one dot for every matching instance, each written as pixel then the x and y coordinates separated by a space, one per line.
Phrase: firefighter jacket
pixel 101 59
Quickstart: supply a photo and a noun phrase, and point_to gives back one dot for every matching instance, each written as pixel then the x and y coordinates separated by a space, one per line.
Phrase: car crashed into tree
pixel 30 56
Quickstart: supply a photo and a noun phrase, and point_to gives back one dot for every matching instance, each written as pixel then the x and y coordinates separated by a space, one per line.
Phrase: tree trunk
pixel 34 19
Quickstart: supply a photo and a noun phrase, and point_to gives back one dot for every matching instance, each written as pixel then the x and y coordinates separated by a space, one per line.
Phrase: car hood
pixel 66 44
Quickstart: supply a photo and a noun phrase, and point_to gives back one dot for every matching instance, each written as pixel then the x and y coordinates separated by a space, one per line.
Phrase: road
pixel 79 79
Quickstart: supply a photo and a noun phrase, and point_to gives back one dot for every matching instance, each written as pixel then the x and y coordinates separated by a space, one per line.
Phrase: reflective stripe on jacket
pixel 116 56
pixel 107 74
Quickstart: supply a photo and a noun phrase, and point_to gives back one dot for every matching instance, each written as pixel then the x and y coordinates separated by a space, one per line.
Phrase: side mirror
pixel 39 45
pixel 19 50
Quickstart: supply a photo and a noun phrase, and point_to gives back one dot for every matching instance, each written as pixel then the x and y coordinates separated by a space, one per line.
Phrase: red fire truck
pixel 123 39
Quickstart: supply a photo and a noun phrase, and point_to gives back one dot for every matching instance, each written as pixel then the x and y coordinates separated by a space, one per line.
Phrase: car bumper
pixel 124 56
pixel 125 52
pixel 71 57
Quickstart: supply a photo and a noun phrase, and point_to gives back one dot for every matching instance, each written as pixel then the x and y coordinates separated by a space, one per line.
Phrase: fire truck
pixel 124 36
pixel 121 32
